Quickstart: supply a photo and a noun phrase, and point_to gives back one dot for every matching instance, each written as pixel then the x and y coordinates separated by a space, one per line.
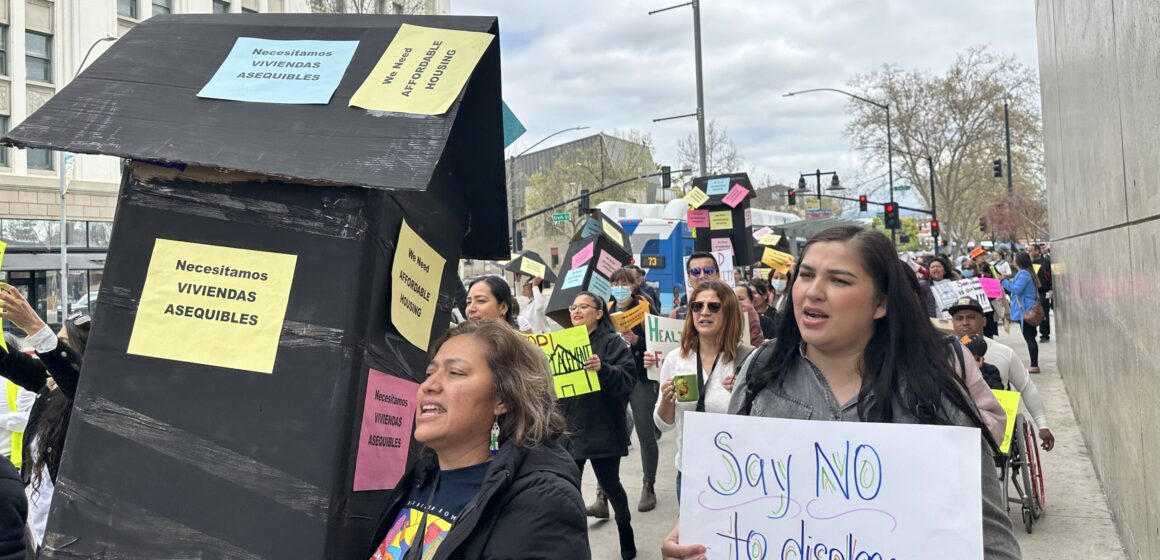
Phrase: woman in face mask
pixel 777 283
pixel 626 295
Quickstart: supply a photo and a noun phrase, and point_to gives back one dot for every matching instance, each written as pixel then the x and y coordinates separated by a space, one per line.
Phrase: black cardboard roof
pixel 139 101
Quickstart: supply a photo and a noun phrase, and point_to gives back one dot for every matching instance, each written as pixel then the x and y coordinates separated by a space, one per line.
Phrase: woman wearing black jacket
pixel 494 480
pixel 54 379
pixel 597 420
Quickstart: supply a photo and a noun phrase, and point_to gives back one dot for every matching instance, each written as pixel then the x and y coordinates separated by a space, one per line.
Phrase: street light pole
pixel 933 200
pixel 889 138
pixel 511 165
pixel 64 297
pixel 700 114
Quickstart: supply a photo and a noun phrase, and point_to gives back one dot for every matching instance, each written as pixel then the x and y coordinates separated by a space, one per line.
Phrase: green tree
pixel 956 119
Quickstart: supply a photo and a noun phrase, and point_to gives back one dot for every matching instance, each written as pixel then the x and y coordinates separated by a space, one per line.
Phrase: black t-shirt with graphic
pixel 452 491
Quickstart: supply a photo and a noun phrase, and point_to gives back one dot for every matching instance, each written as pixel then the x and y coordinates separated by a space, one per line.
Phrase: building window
pixel 162 7
pixel 221 6
pixel 127 8
pixel 3 151
pixel 38 56
pixel 40 158
pixel 3 50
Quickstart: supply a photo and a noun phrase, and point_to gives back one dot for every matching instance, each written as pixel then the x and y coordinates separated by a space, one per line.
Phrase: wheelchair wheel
pixel 1028 519
pixel 1035 469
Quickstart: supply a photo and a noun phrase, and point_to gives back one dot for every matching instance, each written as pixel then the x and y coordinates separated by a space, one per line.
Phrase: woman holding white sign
pixel 698 375
pixel 856 346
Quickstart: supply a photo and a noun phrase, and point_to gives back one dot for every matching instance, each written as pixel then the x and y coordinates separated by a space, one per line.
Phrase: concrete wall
pixel 1100 69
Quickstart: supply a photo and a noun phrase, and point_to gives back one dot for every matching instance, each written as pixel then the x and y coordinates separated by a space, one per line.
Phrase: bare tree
pixel 720 153
pixel 369 6
pixel 605 160
pixel 957 120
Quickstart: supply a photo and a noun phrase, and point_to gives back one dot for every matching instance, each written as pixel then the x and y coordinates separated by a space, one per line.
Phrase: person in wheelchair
pixel 968 319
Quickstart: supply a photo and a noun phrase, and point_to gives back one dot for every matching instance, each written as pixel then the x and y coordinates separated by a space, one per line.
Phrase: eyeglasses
pixel 706 271
pixel 698 306
pixel 580 307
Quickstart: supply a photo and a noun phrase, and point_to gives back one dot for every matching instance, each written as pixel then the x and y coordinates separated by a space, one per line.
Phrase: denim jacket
pixel 806 395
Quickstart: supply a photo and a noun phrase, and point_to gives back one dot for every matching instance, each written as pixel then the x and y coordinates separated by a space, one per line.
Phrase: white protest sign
pixel 830 490
pixel 661 335
pixel 947 293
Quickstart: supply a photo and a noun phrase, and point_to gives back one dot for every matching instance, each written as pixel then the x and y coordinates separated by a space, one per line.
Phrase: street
pixel 1075 525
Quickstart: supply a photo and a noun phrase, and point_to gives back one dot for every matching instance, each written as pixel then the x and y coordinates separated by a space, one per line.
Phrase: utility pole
pixel 701 87
pixel 933 200
pixel 700 114
pixel 1007 126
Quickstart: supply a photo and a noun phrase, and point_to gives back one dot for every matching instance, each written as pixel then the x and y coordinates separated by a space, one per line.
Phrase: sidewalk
pixel 1075 525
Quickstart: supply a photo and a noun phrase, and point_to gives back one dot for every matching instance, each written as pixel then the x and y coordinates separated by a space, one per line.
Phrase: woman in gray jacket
pixel 856 346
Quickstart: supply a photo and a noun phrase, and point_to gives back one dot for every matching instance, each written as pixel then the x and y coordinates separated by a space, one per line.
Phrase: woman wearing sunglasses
pixel 698 376
pixel 856 346
pixel 597 420
pixel 54 378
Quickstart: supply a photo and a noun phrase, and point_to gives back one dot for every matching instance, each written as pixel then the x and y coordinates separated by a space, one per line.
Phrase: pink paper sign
pixel 607 264
pixel 762 232
pixel 992 288
pixel 583 256
pixel 735 196
pixel 722 244
pixel 698 218
pixel 388 415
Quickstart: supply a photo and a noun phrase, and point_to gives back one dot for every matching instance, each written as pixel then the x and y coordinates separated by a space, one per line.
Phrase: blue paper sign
pixel 717 186
pixel 512 127
pixel 574 278
pixel 292 72
pixel 592 227
pixel 599 285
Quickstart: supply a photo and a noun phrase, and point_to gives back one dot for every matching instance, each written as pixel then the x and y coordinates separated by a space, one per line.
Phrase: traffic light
pixel 861 203
pixel 791 197
pixel 518 241
pixel 891 216
pixel 666 177
pixel 983 224
pixel 585 204
pixel 934 228
pixel 998 167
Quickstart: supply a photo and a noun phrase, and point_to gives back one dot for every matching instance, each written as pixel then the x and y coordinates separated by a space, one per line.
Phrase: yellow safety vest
pixel 17 437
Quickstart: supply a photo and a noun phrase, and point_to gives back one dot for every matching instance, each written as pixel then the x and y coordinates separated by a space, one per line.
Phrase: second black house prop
pixel 280 260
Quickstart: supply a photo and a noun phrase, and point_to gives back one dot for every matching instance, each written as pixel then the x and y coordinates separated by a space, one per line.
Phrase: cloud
pixel 608 65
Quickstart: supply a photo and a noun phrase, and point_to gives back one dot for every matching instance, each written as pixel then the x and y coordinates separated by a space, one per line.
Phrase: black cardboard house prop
pixel 596 251
pixel 726 214
pixel 202 440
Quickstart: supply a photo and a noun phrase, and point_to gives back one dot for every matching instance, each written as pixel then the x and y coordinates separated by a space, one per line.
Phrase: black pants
pixel 1045 326
pixel 643 400
pixel 608 476
pixel 991 327
pixel 1032 346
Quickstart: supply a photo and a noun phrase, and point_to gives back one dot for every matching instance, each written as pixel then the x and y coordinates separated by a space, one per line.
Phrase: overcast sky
pixel 607 64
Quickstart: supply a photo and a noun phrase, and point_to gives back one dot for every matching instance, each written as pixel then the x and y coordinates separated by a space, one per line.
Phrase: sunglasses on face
pixel 699 306
pixel 706 271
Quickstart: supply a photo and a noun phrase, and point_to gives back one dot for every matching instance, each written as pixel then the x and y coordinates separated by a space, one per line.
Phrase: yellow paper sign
pixel 422 71
pixel 721 220
pixel 777 260
pixel 611 231
pixel 696 197
pixel 416 275
pixel 213 305
pixel 769 239
pixel 534 269
pixel 567 350
pixel 624 321
pixel 1009 400
pixel 1036 267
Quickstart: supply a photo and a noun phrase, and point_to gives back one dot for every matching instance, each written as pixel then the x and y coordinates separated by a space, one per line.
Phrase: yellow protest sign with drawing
pixel 198 297
pixel 567 351
pixel 422 71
